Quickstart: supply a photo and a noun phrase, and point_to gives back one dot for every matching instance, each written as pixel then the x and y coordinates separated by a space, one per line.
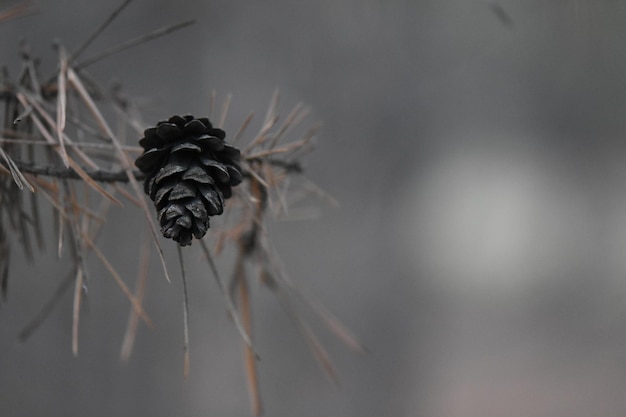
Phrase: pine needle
pixel 78 291
pixel 315 189
pixel 93 184
pixel 185 315
pixel 212 105
pixel 21 9
pixel 316 347
pixel 140 289
pixel 293 119
pixel 116 277
pixel 230 306
pixel 320 352
pixel 258 178
pixel 332 323
pixel 128 195
pixel 133 42
pixel 224 111
pixel 47 308
pixel 19 178
pixel 242 128
pixel 4 269
pixel 250 357
pixel 262 135
pixel 21 117
pixel 99 30
pixel 61 104
pixel 271 109
pixel 61 224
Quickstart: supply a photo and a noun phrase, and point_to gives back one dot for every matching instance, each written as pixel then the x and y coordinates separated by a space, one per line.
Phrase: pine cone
pixel 189 173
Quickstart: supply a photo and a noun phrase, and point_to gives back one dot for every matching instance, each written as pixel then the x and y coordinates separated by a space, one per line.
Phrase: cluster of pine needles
pixel 59 147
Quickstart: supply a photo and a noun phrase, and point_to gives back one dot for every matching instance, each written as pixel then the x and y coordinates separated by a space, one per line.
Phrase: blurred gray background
pixel 477 150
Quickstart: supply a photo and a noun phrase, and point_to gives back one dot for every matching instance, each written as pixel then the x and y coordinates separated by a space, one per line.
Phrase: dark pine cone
pixel 189 173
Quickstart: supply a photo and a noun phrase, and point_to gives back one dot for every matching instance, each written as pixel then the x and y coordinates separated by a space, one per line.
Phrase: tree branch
pixel 69 173
pixel 120 176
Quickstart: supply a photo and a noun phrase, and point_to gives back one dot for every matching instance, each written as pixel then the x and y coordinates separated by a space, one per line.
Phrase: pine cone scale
pixel 198 174
pixel 169 131
pixel 186 146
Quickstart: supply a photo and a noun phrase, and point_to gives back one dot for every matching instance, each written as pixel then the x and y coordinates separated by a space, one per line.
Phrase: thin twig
pixel 70 173
pixel 121 176
pixel 102 146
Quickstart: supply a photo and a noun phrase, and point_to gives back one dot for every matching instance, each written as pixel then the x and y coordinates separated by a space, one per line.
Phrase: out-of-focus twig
pixel 98 31
pixel 132 42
